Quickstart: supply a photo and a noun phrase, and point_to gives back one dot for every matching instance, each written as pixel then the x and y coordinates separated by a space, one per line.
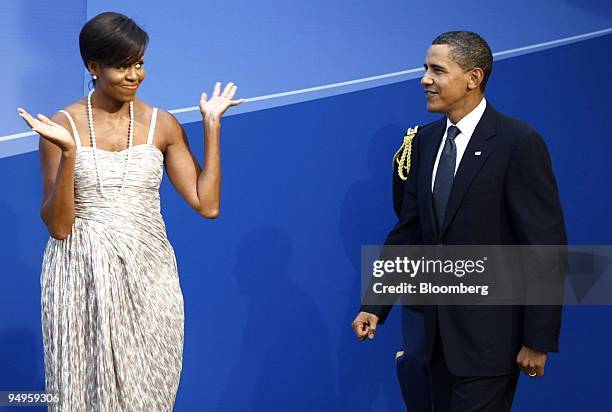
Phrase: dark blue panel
pixel 564 94
pixel 274 282
pixel 22 239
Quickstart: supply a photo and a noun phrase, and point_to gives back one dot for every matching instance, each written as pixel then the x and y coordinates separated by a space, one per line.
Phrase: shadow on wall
pixel 21 356
pixel 280 317
pixel 366 217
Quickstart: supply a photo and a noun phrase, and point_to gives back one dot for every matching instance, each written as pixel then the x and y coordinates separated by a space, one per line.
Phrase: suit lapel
pixel 430 152
pixel 470 163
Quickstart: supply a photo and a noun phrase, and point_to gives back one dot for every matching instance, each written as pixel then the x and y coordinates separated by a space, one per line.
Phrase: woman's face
pixel 120 83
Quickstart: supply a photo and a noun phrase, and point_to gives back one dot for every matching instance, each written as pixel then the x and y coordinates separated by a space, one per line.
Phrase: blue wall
pixel 274 46
pixel 267 46
pixel 41 66
pixel 272 285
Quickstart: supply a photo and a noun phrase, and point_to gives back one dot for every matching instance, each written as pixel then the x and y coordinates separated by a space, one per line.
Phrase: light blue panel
pixel 41 67
pixel 267 47
pixel 271 46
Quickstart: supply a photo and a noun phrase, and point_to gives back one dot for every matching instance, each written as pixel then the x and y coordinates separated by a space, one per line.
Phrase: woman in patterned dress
pixel 112 307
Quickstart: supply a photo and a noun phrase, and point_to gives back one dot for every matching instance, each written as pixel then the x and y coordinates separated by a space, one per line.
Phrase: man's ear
pixel 475 78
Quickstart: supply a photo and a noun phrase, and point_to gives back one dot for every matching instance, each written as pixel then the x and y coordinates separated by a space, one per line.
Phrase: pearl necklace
pixel 92 136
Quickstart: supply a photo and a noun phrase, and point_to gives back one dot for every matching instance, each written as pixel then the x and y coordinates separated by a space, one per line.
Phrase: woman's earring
pixel 95 77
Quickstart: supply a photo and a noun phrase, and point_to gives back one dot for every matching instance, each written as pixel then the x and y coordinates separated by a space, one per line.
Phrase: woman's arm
pixel 57 158
pixel 200 187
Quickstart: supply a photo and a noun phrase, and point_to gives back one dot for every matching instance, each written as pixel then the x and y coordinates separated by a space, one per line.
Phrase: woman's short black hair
pixel 112 39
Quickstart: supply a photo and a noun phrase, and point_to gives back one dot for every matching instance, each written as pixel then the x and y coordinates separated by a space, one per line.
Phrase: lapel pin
pixel 478 153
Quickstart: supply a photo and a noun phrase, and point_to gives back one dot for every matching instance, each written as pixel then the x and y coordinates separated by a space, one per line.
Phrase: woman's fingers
pixel 220 105
pixel 35 124
pixel 217 89
pixel 232 91
pixel 39 126
pixel 27 117
pixel 46 120
pixel 43 125
pixel 228 89
pixel 236 102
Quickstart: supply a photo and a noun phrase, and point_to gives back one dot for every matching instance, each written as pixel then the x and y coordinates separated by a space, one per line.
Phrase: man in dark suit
pixel 477 177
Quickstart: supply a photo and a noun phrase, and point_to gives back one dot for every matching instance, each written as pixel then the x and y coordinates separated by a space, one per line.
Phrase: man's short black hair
pixel 469 51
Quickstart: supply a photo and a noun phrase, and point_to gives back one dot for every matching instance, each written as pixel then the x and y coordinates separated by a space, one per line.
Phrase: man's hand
pixel 531 361
pixel 364 325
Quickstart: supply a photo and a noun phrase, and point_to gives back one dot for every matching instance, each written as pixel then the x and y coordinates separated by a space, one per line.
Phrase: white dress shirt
pixel 466 126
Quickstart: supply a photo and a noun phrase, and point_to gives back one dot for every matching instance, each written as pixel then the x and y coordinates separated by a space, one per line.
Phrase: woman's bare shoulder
pixel 76 110
pixel 78 107
pixel 168 123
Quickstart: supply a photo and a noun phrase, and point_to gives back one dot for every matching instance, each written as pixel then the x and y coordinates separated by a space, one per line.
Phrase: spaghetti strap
pixel 152 127
pixel 75 132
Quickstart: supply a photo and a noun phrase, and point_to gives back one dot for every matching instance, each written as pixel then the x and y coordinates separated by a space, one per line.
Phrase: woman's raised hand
pixel 214 108
pixel 49 130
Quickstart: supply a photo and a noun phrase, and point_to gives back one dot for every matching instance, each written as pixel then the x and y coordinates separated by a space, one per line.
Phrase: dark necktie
pixel 445 174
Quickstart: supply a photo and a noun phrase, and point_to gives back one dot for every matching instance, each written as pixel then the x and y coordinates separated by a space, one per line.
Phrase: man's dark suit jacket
pixel 507 195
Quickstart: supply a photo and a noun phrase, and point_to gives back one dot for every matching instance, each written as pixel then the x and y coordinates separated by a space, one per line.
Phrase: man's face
pixel 444 81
